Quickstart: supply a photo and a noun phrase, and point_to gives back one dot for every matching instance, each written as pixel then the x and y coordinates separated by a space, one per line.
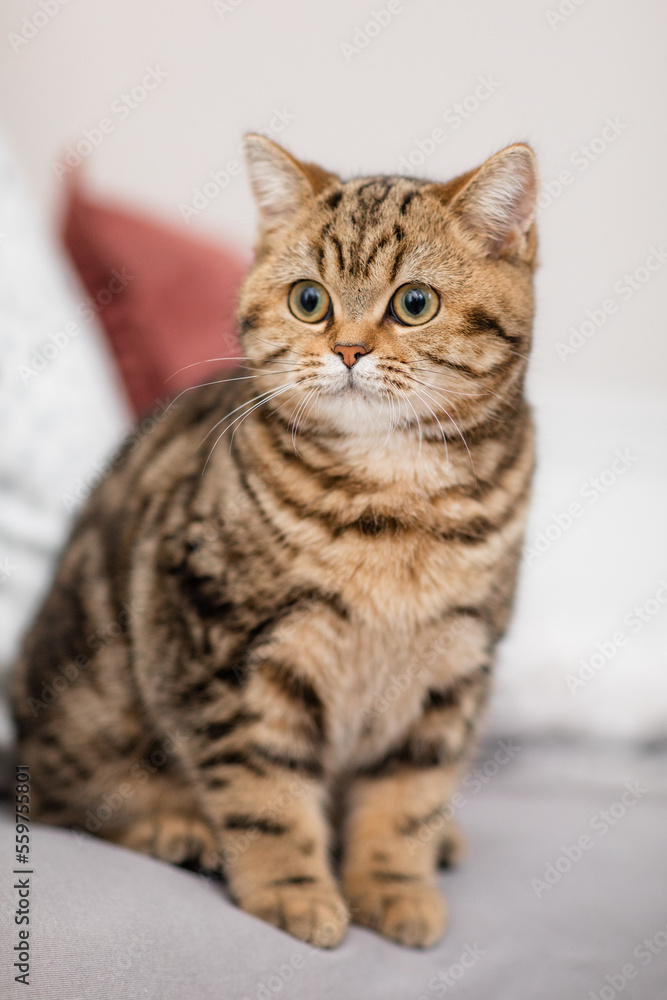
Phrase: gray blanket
pixel 563 897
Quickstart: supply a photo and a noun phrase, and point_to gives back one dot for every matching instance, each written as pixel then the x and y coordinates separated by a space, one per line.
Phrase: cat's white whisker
pixel 458 430
pixel 247 402
pixel 465 443
pixel 444 436
pixel 447 392
pixel 311 402
pixel 242 416
pixel 419 426
pixel 452 392
pixel 239 420
pixel 301 409
pixel 204 361
pixel 391 418
pixel 202 385
pixel 207 361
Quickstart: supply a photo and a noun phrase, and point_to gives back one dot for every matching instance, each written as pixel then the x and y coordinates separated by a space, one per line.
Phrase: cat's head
pixel 381 300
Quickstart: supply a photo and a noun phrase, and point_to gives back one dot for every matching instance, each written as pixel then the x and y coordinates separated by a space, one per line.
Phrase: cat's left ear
pixel 281 183
pixel 497 204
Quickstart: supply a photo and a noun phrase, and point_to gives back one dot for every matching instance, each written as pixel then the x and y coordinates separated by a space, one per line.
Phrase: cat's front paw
pixel 314 913
pixel 411 913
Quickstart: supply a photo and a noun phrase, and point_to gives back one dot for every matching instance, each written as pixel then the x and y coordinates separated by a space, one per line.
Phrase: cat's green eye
pixel 414 304
pixel 309 301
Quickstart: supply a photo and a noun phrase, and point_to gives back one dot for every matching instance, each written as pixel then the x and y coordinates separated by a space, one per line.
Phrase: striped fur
pixel 263 649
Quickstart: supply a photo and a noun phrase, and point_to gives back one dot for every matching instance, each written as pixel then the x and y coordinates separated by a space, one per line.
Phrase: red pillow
pixel 165 299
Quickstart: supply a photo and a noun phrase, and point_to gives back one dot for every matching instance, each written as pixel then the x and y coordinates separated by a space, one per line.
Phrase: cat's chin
pixel 355 410
pixel 351 390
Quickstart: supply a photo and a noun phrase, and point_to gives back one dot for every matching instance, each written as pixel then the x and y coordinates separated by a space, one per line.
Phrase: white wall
pixel 557 79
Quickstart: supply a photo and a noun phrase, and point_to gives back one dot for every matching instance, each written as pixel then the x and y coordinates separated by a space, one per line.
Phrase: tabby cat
pixel 269 639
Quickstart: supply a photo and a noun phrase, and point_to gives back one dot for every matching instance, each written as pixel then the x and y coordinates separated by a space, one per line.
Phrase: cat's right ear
pixel 281 184
pixel 497 204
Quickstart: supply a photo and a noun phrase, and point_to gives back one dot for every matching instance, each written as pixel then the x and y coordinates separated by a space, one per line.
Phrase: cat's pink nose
pixel 350 353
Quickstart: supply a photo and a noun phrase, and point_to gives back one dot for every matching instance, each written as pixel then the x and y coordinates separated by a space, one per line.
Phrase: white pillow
pixel 587 649
pixel 61 410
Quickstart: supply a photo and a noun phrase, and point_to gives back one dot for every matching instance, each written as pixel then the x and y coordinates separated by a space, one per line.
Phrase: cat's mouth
pixel 361 379
pixel 351 385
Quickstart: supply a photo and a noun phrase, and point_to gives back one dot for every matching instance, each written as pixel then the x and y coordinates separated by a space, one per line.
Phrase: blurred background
pixel 144 105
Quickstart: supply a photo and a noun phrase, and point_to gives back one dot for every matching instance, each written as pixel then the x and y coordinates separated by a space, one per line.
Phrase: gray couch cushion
pixel 563 898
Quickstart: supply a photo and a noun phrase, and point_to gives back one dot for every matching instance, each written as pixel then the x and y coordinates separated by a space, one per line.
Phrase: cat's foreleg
pixel 389 870
pixel 274 841
pixel 398 819
pixel 253 758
